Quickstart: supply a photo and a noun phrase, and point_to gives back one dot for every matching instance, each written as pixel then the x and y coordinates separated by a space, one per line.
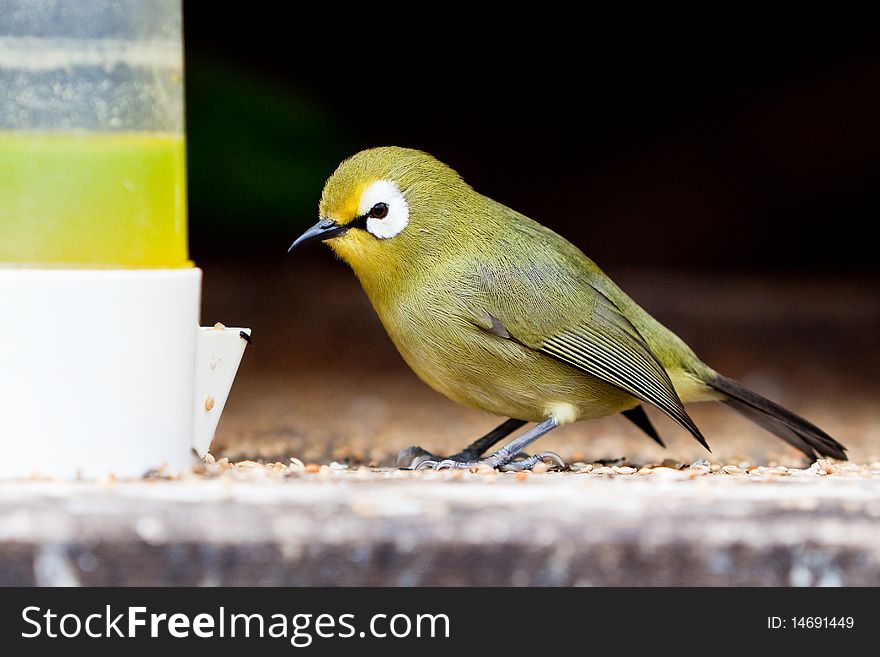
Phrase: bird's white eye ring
pixel 384 209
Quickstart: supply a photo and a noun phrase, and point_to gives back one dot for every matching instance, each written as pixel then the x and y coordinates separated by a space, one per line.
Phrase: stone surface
pixel 251 524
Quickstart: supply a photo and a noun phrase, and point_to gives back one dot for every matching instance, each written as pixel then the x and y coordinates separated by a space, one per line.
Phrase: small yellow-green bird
pixel 499 313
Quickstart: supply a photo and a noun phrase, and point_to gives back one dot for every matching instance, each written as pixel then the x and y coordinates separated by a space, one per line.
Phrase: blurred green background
pixel 258 150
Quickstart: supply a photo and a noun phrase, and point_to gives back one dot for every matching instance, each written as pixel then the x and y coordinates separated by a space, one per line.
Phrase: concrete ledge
pixel 395 528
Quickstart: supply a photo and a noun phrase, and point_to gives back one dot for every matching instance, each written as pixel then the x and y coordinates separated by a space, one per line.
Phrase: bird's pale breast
pixel 482 370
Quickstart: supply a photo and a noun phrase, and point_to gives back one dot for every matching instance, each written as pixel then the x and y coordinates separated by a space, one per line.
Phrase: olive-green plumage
pixel 500 313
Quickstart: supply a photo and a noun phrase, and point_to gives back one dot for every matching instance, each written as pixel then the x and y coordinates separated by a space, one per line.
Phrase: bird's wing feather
pixel 553 309
pixel 613 351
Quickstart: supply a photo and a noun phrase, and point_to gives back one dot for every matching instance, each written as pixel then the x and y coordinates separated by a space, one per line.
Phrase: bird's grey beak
pixel 323 230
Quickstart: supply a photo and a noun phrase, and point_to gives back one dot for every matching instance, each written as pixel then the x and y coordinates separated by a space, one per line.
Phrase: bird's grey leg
pixel 412 457
pixel 502 458
pixel 476 449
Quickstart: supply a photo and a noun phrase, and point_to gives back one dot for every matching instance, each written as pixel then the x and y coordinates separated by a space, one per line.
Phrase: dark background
pixel 719 145
pixel 722 169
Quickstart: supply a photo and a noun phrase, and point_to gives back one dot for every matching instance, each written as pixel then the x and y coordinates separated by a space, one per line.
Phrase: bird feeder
pixel 103 367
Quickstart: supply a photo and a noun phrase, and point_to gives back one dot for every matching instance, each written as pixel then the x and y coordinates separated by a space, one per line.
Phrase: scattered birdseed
pixel 824 467
pixel 666 473
pixel 289 470
pixel 540 467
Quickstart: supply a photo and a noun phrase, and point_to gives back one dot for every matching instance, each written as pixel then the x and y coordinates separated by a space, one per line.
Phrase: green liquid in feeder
pixel 92 200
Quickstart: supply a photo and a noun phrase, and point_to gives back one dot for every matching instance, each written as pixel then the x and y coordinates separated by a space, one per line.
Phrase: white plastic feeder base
pixel 98 372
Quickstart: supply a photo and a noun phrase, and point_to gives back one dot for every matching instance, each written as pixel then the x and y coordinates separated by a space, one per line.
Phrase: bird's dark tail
pixel 793 429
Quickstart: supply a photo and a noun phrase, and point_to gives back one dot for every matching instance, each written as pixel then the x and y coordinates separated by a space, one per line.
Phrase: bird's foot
pixel 552 459
pixel 500 460
pixel 412 458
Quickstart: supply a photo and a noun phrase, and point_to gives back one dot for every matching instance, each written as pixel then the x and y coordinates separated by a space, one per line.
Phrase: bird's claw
pixel 530 462
pixel 451 464
pixel 413 458
pixel 496 461
pixel 446 464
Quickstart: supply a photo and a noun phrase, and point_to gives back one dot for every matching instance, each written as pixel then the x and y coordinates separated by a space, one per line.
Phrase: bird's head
pixel 388 209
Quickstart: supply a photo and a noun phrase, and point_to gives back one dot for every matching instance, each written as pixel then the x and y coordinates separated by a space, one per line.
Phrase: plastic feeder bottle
pixel 103 368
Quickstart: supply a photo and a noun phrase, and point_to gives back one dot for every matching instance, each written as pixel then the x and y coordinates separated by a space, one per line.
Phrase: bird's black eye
pixel 379 211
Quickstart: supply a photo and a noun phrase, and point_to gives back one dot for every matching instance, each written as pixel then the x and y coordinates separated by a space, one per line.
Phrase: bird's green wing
pixel 556 311
pixel 609 348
